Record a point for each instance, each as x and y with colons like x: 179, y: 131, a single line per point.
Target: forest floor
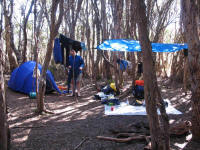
x: 73, y: 122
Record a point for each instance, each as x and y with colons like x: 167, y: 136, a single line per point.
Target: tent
x: 134, y: 46
x: 22, y: 79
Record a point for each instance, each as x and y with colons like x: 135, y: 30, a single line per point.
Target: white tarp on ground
x: 126, y: 109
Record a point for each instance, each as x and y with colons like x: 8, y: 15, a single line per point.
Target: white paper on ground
x: 126, y: 109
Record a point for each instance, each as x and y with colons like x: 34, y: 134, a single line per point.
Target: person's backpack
x: 138, y: 91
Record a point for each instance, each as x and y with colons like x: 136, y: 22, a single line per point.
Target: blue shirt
x: 75, y: 63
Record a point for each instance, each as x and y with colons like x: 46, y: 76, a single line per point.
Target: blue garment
x: 75, y: 63
x: 123, y: 65
x: 57, y: 51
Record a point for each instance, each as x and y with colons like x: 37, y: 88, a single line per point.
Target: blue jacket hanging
x: 57, y: 51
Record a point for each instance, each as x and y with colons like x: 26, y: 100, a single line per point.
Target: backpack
x: 138, y: 91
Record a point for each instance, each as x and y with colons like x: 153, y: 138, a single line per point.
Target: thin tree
x: 190, y: 9
x: 3, y: 116
x: 104, y: 37
x: 159, y: 136
x: 74, y: 16
x: 24, y: 58
x: 98, y: 31
x: 54, y: 26
x: 10, y: 46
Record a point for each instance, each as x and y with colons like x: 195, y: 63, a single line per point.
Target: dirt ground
x: 73, y: 122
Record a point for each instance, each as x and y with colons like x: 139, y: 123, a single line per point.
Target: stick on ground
x: 84, y: 140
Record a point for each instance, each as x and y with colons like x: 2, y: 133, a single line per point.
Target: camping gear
x: 99, y: 95
x: 138, y: 102
x: 124, y: 64
x: 75, y: 45
x: 22, y: 79
x: 32, y: 95
x: 138, y: 91
x: 124, y: 109
x: 134, y: 46
x: 112, y: 85
x: 185, y: 51
x: 107, y: 90
x: 139, y: 82
x: 110, y: 101
x: 62, y: 87
x: 140, y: 68
x: 63, y: 43
x: 110, y: 89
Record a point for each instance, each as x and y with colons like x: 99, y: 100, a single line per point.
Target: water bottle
x: 112, y: 108
x: 127, y: 102
x: 32, y: 95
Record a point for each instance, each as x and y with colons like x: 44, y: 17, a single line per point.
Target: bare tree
x: 24, y: 58
x: 10, y: 47
x: 105, y: 36
x: 117, y: 11
x: 190, y: 9
x: 3, y: 116
x: 53, y: 32
x: 97, y: 24
x: 4, y: 130
x: 74, y: 16
x: 159, y: 136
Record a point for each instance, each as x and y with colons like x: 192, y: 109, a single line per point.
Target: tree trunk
x: 106, y: 65
x: 10, y: 47
x: 158, y: 140
x: 98, y: 31
x: 190, y: 9
x: 37, y: 28
x: 53, y: 32
x: 3, y: 117
x: 74, y: 16
x: 117, y: 11
x: 24, y: 58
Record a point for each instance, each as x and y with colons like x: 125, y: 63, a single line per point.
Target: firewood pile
x: 140, y: 132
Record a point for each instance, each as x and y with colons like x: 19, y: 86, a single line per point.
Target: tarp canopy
x: 22, y: 79
x: 134, y: 46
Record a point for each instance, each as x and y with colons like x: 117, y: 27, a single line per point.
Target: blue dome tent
x: 22, y: 79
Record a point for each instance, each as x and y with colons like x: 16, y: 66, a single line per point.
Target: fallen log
x: 180, y: 128
x: 123, y: 140
x: 174, y: 130
x: 123, y: 135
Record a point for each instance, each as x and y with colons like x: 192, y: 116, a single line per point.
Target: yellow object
x: 112, y: 85
x: 139, y: 102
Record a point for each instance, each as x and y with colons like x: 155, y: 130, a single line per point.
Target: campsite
x: 99, y: 75
x: 72, y: 123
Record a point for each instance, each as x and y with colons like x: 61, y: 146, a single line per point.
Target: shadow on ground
x: 73, y: 121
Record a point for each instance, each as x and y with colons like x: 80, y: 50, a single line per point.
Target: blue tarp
x: 22, y: 79
x: 134, y: 46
